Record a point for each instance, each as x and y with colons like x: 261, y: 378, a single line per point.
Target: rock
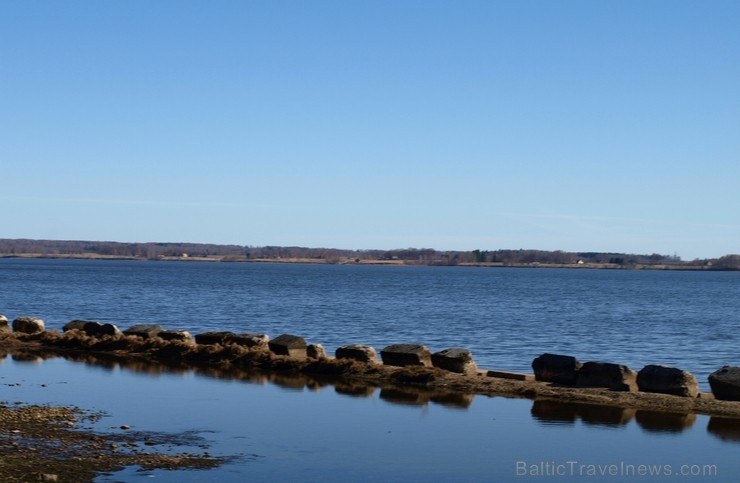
x: 605, y: 374
x: 289, y: 345
x: 316, y: 351
x: 96, y: 329
x: 211, y: 338
x: 725, y: 383
x: 145, y: 331
x: 556, y: 368
x: 178, y: 335
x: 667, y: 380
x: 250, y: 340
x: 4, y: 327
x: 455, y: 360
x: 75, y: 325
x: 357, y: 352
x: 28, y: 325
x: 406, y: 355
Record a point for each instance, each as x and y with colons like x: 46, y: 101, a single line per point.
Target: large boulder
x: 556, y: 368
x: 289, y: 345
x: 28, y: 325
x: 4, y: 327
x: 616, y: 377
x: 145, y: 331
x: 455, y: 360
x: 357, y: 352
x: 96, y: 329
x: 667, y: 380
x: 406, y: 355
x: 725, y: 383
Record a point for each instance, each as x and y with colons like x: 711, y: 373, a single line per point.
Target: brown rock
x: 289, y: 345
x: 605, y: 374
x: 28, y: 325
x: 179, y: 335
x: 725, y: 383
x: 211, y: 338
x: 357, y: 352
x: 406, y: 355
x: 315, y: 351
x: 667, y: 380
x: 145, y: 331
x: 455, y: 360
x: 556, y: 368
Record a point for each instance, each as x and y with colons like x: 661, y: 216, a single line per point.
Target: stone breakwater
x: 555, y: 376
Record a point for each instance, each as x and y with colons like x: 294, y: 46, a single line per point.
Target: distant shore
x: 356, y: 261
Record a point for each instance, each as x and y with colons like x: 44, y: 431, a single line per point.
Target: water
x: 506, y: 317
x: 301, y: 429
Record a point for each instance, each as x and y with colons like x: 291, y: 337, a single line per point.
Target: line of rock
x: 562, y: 370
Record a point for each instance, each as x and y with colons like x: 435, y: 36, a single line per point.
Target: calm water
x: 507, y: 317
x: 295, y: 429
x: 289, y: 429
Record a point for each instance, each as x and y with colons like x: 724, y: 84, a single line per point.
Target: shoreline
x: 368, y: 262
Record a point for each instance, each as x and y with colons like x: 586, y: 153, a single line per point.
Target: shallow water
x: 294, y: 428
x: 506, y: 317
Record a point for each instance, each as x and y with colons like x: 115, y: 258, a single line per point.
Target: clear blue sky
x: 573, y: 125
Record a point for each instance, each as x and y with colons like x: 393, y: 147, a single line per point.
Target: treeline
x: 426, y: 256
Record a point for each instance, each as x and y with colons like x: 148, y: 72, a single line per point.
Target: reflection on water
x: 294, y: 426
x: 725, y: 429
x: 554, y: 412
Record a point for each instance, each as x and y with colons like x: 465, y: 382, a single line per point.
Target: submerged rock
x: 667, y: 380
x: 455, y: 360
x: 406, y: 355
x: 725, y: 383
x: 556, y: 368
x: 616, y: 377
x: 28, y: 325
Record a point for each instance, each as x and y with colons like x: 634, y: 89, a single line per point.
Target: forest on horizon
x: 424, y: 256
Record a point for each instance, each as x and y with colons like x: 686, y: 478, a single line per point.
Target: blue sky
x: 572, y: 125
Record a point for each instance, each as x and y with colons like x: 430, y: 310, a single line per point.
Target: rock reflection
x: 421, y: 397
x: 27, y: 358
x: 661, y: 422
x: 554, y: 412
x: 726, y: 429
x: 605, y: 415
x: 354, y: 390
x: 549, y: 412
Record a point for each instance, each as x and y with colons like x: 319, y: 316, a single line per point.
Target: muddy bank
x: 349, y: 373
x: 45, y: 443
